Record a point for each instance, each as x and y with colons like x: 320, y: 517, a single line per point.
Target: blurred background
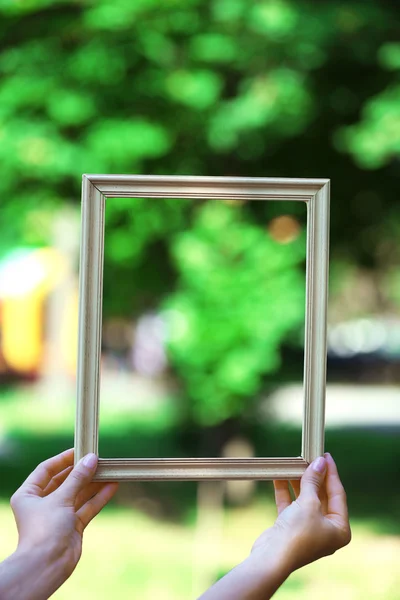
x: 203, y: 301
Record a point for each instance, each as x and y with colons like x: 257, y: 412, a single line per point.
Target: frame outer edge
x: 192, y: 187
x: 316, y: 195
x: 316, y: 325
x: 90, y: 320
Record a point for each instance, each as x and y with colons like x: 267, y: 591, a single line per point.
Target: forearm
x: 256, y: 578
x: 33, y: 575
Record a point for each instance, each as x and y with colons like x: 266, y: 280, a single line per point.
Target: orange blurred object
x: 284, y: 229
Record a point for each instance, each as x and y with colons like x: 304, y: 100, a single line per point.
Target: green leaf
x: 196, y: 89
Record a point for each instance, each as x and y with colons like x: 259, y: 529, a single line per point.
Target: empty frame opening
x: 203, y: 328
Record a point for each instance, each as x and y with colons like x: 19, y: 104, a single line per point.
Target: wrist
x: 46, y: 556
x: 58, y: 553
x: 270, y: 565
x: 274, y: 549
x: 33, y: 573
x: 257, y: 577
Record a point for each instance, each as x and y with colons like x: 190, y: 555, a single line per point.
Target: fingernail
x: 327, y: 455
x: 89, y: 461
x: 319, y: 465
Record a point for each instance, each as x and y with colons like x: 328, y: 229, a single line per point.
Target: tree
x: 239, y: 294
x: 224, y: 87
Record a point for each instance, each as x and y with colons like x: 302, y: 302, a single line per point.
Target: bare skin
x: 55, y: 504
x: 314, y: 525
x: 52, y: 508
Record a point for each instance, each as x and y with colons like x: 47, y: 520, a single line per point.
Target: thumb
x: 313, y: 477
x: 80, y: 476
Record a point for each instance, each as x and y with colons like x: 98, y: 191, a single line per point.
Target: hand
x: 54, y: 506
x: 316, y: 524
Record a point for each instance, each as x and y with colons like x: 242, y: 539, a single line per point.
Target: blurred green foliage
x: 223, y: 87
x: 375, y: 140
x: 205, y: 87
x: 238, y: 293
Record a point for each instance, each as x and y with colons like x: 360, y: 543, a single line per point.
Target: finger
x: 295, y: 483
x: 323, y: 498
x: 282, y: 495
x: 337, y: 501
x: 80, y: 476
x: 95, y: 504
x: 44, y: 473
x: 313, y: 478
x: 86, y: 494
x: 57, y: 481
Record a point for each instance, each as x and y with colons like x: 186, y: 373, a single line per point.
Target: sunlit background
x: 202, y: 350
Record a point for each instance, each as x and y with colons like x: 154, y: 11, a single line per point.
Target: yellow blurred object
x: 69, y: 334
x: 22, y: 331
x: 54, y: 268
x: 27, y: 277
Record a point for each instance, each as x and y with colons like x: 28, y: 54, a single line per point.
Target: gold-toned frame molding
x: 95, y: 190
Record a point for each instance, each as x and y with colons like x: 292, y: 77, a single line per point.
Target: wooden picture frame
x: 95, y: 190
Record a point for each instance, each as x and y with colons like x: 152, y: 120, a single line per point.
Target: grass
x: 128, y: 554
x: 26, y: 411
